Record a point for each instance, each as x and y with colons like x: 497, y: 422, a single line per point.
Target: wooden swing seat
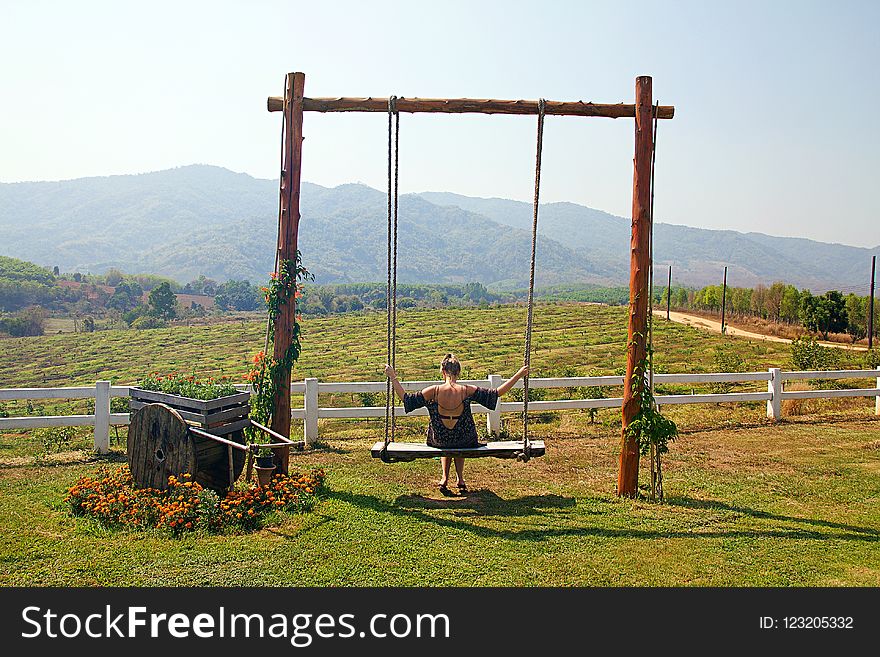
x: 502, y: 449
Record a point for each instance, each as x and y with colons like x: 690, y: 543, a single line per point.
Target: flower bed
x: 188, y: 386
x: 113, y: 500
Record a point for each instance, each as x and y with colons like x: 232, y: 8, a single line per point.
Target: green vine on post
x: 650, y: 428
x: 266, y: 369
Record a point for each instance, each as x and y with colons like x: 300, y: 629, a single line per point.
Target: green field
x: 748, y: 503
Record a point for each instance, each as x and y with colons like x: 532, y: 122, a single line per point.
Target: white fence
x: 311, y: 411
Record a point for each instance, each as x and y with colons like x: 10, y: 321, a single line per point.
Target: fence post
x: 102, y: 417
x: 774, y: 387
x: 310, y: 405
x: 493, y: 417
x: 877, y: 398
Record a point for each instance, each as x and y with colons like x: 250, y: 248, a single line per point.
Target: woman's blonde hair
x: 450, y: 365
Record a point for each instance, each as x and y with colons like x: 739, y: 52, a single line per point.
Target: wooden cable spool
x: 160, y: 444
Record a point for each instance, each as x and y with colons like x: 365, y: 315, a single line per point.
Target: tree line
x: 830, y: 312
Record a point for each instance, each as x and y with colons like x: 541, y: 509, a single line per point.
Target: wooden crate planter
x: 220, y: 416
x: 160, y: 442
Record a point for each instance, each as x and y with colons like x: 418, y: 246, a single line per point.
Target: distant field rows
x: 584, y: 338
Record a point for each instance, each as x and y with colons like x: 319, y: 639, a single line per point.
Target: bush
x: 55, y: 439
x: 807, y: 354
x: 368, y: 399
x: 28, y: 322
x: 727, y: 359
x: 148, y: 322
x: 535, y: 394
x: 871, y: 359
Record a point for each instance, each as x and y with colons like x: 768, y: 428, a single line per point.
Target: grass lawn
x: 792, y: 504
x: 748, y: 503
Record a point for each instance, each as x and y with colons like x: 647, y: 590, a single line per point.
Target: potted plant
x: 265, y: 466
x: 265, y: 458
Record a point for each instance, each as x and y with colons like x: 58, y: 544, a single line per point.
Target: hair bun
x: 449, y: 356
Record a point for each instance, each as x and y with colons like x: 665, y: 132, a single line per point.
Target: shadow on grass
x: 484, y: 502
x: 714, y: 505
x: 320, y: 447
x: 57, y: 460
x: 547, y: 511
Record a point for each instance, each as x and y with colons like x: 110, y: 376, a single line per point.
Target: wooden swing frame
x: 294, y: 104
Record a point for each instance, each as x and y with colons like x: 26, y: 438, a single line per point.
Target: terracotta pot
x: 264, y: 475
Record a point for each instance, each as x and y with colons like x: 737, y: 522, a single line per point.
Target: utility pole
x: 668, y: 291
x: 723, y: 299
x: 871, y: 305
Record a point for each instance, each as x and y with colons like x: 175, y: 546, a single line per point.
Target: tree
x: 202, y: 285
x: 680, y: 298
x: 238, y: 295
x: 126, y: 296
x: 163, y: 302
x: 788, y: 309
x: 113, y: 277
x: 759, y: 295
x: 832, y: 312
x: 773, y: 301
x: 807, y: 310
x: 27, y: 322
x: 856, y: 316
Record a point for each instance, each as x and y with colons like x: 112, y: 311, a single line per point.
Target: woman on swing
x: 449, y: 406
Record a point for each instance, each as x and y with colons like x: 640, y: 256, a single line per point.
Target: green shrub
x: 535, y: 394
x: 727, y: 359
x: 807, y: 354
x: 148, y: 322
x: 55, y: 439
x: 371, y: 398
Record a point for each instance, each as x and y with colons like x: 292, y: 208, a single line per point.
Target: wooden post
x: 628, y: 475
x: 723, y: 299
x: 287, y: 246
x: 668, y: 292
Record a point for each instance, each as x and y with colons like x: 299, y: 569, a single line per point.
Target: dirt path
x: 712, y: 325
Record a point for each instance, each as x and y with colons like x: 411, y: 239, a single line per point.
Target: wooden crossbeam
x: 469, y: 106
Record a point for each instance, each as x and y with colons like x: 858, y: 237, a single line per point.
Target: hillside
x: 697, y: 256
x: 207, y: 220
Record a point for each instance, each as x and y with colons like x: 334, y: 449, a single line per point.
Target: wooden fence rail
x: 311, y: 389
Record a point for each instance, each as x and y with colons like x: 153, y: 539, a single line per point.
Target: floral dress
x: 464, y: 432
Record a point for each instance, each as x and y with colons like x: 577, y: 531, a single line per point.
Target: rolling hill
x: 207, y: 220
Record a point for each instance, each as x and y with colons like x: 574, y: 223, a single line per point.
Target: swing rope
x: 528, y: 346
x: 391, y: 288
x: 281, y: 177
x: 656, y: 470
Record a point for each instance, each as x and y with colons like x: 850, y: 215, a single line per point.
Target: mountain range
x: 207, y: 220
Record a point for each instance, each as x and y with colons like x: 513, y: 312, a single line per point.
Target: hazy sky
x: 774, y: 129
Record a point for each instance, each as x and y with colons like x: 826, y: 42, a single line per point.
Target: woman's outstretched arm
x: 507, y: 385
x: 391, y: 374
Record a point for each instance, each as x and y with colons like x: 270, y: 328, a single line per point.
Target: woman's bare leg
x: 445, y: 462
x: 459, y: 469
